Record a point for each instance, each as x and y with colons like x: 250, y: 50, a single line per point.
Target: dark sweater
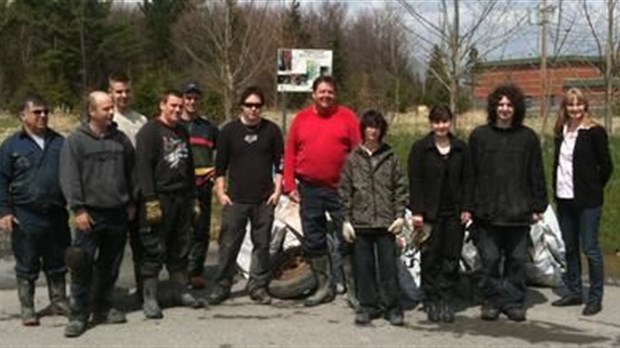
x: 592, y: 166
x: 96, y: 172
x: 427, y: 177
x: 164, y: 161
x: 249, y: 156
x: 509, y: 178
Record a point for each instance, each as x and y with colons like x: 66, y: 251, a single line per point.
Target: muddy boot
x: 77, y: 324
x: 59, y: 304
x: 349, y: 275
x: 150, y: 306
x: 25, y: 291
x: 324, y: 292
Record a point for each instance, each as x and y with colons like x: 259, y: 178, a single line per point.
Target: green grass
x: 609, y: 237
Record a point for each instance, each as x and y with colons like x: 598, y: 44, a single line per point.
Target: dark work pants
x: 136, y: 246
x: 440, y: 258
x: 503, y: 252
x: 167, y: 242
x: 234, y: 221
x: 104, y: 246
x: 579, y: 226
x: 201, y: 232
x: 372, y: 249
x: 39, y: 243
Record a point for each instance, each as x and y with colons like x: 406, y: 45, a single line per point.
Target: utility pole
x: 543, y: 11
x: 608, y: 66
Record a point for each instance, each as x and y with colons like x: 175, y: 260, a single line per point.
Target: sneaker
x: 592, y: 308
x: 260, y: 296
x: 489, y: 312
x: 219, y: 294
x: 515, y: 313
x: 75, y: 327
x: 362, y: 318
x: 565, y: 301
x: 197, y: 282
x: 433, y: 311
x: 396, y: 317
x: 112, y: 316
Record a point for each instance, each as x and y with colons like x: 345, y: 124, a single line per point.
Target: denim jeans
x: 579, y: 227
x: 503, y: 252
x: 315, y: 202
x: 104, y: 246
x: 234, y: 221
x: 39, y: 243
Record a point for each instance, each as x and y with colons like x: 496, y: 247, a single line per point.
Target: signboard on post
x: 298, y: 68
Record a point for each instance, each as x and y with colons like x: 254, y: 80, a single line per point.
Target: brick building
x: 562, y: 73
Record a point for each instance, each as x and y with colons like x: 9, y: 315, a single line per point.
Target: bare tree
x: 607, y: 43
x: 488, y: 25
x: 231, y: 42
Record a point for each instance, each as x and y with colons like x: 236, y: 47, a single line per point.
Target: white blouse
x: 564, y: 183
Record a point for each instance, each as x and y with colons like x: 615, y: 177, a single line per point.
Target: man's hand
x: 274, y: 198
x: 465, y: 217
x: 348, y: 232
x: 536, y: 217
x: 397, y: 226
x: 83, y: 221
x: 7, y: 221
x: 417, y: 221
x: 294, y: 196
x: 224, y: 199
x: 153, y: 211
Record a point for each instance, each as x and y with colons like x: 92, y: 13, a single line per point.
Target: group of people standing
x: 123, y: 175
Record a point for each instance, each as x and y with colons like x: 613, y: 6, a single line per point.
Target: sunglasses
x: 41, y: 112
x: 253, y: 105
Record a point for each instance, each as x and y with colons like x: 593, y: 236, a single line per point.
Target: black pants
x: 503, y: 252
x: 234, y: 221
x: 201, y: 232
x: 136, y: 246
x: 167, y: 242
x: 440, y: 258
x: 371, y: 249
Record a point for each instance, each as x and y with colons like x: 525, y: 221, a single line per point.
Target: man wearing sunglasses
x: 202, y: 138
x: 32, y: 208
x: 249, y: 152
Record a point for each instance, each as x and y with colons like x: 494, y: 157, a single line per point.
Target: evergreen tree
x: 435, y: 88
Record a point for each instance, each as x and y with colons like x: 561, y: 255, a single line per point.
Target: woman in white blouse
x: 582, y: 167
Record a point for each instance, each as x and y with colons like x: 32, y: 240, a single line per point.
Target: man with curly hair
x: 509, y: 195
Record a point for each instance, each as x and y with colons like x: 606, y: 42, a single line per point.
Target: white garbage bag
x: 546, y: 252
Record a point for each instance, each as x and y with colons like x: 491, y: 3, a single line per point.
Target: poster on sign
x: 297, y: 68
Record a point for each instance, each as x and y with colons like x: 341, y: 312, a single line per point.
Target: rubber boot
x: 324, y: 292
x: 150, y: 306
x: 182, y: 296
x: 25, y: 291
x: 56, y: 286
x: 349, y: 277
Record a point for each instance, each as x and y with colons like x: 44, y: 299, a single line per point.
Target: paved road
x: 239, y: 322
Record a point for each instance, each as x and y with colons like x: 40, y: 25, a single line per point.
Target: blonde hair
x: 563, y: 117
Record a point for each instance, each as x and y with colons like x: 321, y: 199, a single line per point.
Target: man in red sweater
x: 318, y: 142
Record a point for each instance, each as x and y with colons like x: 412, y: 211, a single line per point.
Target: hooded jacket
x: 373, y: 188
x: 96, y: 171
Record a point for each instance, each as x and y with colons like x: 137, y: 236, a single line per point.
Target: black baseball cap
x: 191, y: 88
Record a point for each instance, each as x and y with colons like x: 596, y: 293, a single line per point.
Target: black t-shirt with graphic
x: 163, y: 159
x: 250, y: 156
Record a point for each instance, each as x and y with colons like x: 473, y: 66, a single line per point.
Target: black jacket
x: 592, y: 166
x: 426, y: 172
x: 509, y: 180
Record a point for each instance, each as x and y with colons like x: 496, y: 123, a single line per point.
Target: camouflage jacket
x: 373, y: 188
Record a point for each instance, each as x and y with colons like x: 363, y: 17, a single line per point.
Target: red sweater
x: 317, y: 146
